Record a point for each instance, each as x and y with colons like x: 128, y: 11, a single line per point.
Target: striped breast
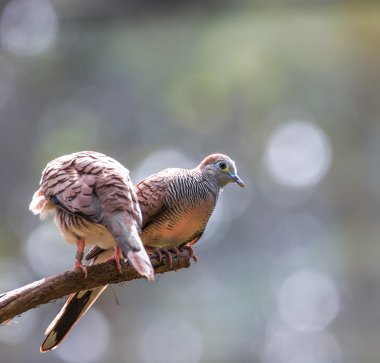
x: 189, y: 203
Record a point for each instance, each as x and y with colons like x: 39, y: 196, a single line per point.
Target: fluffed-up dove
x: 94, y: 203
x: 176, y: 205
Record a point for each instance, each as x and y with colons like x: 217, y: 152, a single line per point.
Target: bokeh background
x: 289, y: 267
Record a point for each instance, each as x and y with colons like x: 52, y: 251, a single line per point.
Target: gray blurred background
x: 288, y: 268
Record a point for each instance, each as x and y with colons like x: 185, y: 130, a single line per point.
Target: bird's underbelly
x: 73, y: 228
x: 174, y: 231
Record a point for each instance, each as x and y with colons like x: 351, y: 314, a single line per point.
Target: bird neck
x: 209, y: 181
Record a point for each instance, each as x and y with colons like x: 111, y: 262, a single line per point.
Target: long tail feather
x: 73, y: 310
x: 75, y: 307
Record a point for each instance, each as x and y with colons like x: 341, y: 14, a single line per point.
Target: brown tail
x: 75, y: 307
x: 73, y: 310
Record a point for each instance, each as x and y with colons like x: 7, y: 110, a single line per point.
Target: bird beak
x: 237, y: 180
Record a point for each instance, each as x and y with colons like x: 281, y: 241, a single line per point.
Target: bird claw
x: 191, y: 252
x: 116, y: 258
x: 175, y: 250
x: 80, y: 266
x: 168, y: 252
x: 160, y: 251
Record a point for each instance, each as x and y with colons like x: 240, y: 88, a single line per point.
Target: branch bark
x: 40, y: 292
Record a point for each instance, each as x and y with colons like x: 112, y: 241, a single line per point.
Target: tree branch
x: 40, y: 292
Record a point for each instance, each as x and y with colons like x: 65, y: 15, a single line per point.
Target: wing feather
x: 151, y: 194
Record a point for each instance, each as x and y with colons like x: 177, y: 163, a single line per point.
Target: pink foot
x: 168, y: 253
x: 160, y: 251
x: 79, y: 256
x: 116, y: 258
x: 80, y: 266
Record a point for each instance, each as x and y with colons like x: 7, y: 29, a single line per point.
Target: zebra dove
x: 176, y: 205
x: 94, y: 203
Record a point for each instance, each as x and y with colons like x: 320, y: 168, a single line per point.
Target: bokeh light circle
x: 47, y: 251
x: 308, y: 301
x: 28, y: 27
x: 298, y: 154
x: 284, y: 346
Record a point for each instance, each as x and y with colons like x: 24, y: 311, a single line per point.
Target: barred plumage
x: 188, y: 198
x: 176, y: 205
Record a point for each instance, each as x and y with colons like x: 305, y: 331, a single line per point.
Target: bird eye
x: 222, y: 165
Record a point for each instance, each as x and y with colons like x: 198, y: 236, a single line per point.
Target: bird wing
x: 91, y: 185
x: 152, y: 193
x: 98, y: 188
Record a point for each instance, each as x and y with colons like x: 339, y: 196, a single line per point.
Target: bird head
x: 220, y: 168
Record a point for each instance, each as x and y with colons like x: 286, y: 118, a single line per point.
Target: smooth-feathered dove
x: 94, y: 203
x: 176, y: 205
